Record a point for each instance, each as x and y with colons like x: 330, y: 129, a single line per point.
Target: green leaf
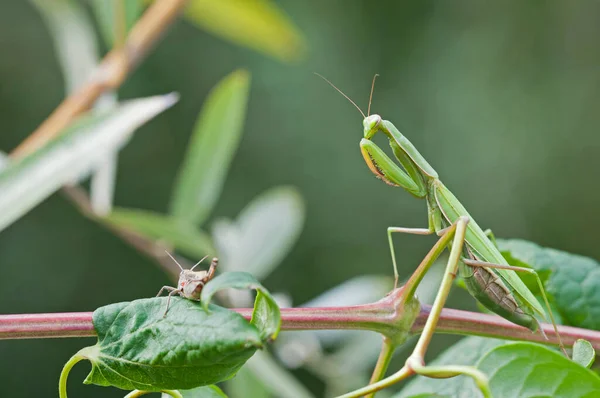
x: 73, y: 155
x: 583, y: 353
x: 427, y: 395
x: 139, y: 349
x: 257, y: 24
x: 74, y: 39
x: 466, y: 352
x: 246, y: 384
x: 186, y: 238
x: 204, y: 392
x: 572, y: 281
x: 263, y: 233
x: 107, y: 17
x: 214, y: 141
x: 531, y: 370
x: 266, y: 316
x: 273, y: 377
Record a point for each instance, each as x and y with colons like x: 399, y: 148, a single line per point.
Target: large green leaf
x: 527, y: 370
x: 572, y: 281
x: 186, y: 238
x: 263, y: 233
x: 257, y: 24
x: 214, y: 141
x: 73, y: 155
x: 266, y: 315
x: 140, y: 349
x: 466, y: 352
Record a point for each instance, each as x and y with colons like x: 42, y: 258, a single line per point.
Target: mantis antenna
x: 371, y: 95
x: 341, y: 92
x: 179, y: 265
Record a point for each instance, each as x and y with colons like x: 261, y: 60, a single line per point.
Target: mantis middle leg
x: 415, y: 363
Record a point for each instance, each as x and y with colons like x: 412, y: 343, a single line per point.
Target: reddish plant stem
x: 473, y: 323
x: 363, y: 317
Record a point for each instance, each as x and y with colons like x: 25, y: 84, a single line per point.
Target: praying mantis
x: 473, y: 253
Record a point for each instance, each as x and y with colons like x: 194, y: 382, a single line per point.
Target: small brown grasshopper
x: 190, y: 282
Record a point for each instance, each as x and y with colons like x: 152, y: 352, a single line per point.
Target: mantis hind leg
x: 415, y: 363
x: 476, y: 263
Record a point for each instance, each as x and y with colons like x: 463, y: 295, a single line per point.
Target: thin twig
x: 109, y: 75
x: 152, y: 249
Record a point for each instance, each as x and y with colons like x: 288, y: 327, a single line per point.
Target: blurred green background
x: 501, y: 98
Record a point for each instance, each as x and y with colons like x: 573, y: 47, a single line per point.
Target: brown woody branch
x: 110, y: 74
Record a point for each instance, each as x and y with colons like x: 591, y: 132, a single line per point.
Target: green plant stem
x: 385, y: 355
x: 62, y: 382
x: 380, y: 385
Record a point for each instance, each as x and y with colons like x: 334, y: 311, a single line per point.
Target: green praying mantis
x: 473, y: 253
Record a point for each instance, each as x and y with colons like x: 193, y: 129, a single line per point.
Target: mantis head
x: 371, y: 125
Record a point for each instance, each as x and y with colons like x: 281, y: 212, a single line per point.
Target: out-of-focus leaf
x: 427, y: 395
x: 359, y: 290
x: 214, y: 141
x: 531, y: 370
x: 263, y: 233
x: 72, y: 155
x: 341, y: 371
x: 203, y: 392
x: 3, y: 161
x: 102, y: 185
x: 186, y: 238
x: 266, y: 315
x: 246, y: 384
x: 104, y: 178
x: 572, y: 281
x: 466, y: 352
x: 257, y: 24
x: 583, y: 353
x: 74, y: 39
x: 139, y: 348
x: 108, y: 17
x: 273, y: 378
x: 77, y: 53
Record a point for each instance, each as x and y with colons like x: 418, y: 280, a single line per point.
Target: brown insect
x: 190, y: 282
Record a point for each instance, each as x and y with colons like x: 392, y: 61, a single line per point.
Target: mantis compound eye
x: 371, y: 125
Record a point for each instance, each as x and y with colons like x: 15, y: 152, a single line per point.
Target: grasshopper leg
x: 172, y: 291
